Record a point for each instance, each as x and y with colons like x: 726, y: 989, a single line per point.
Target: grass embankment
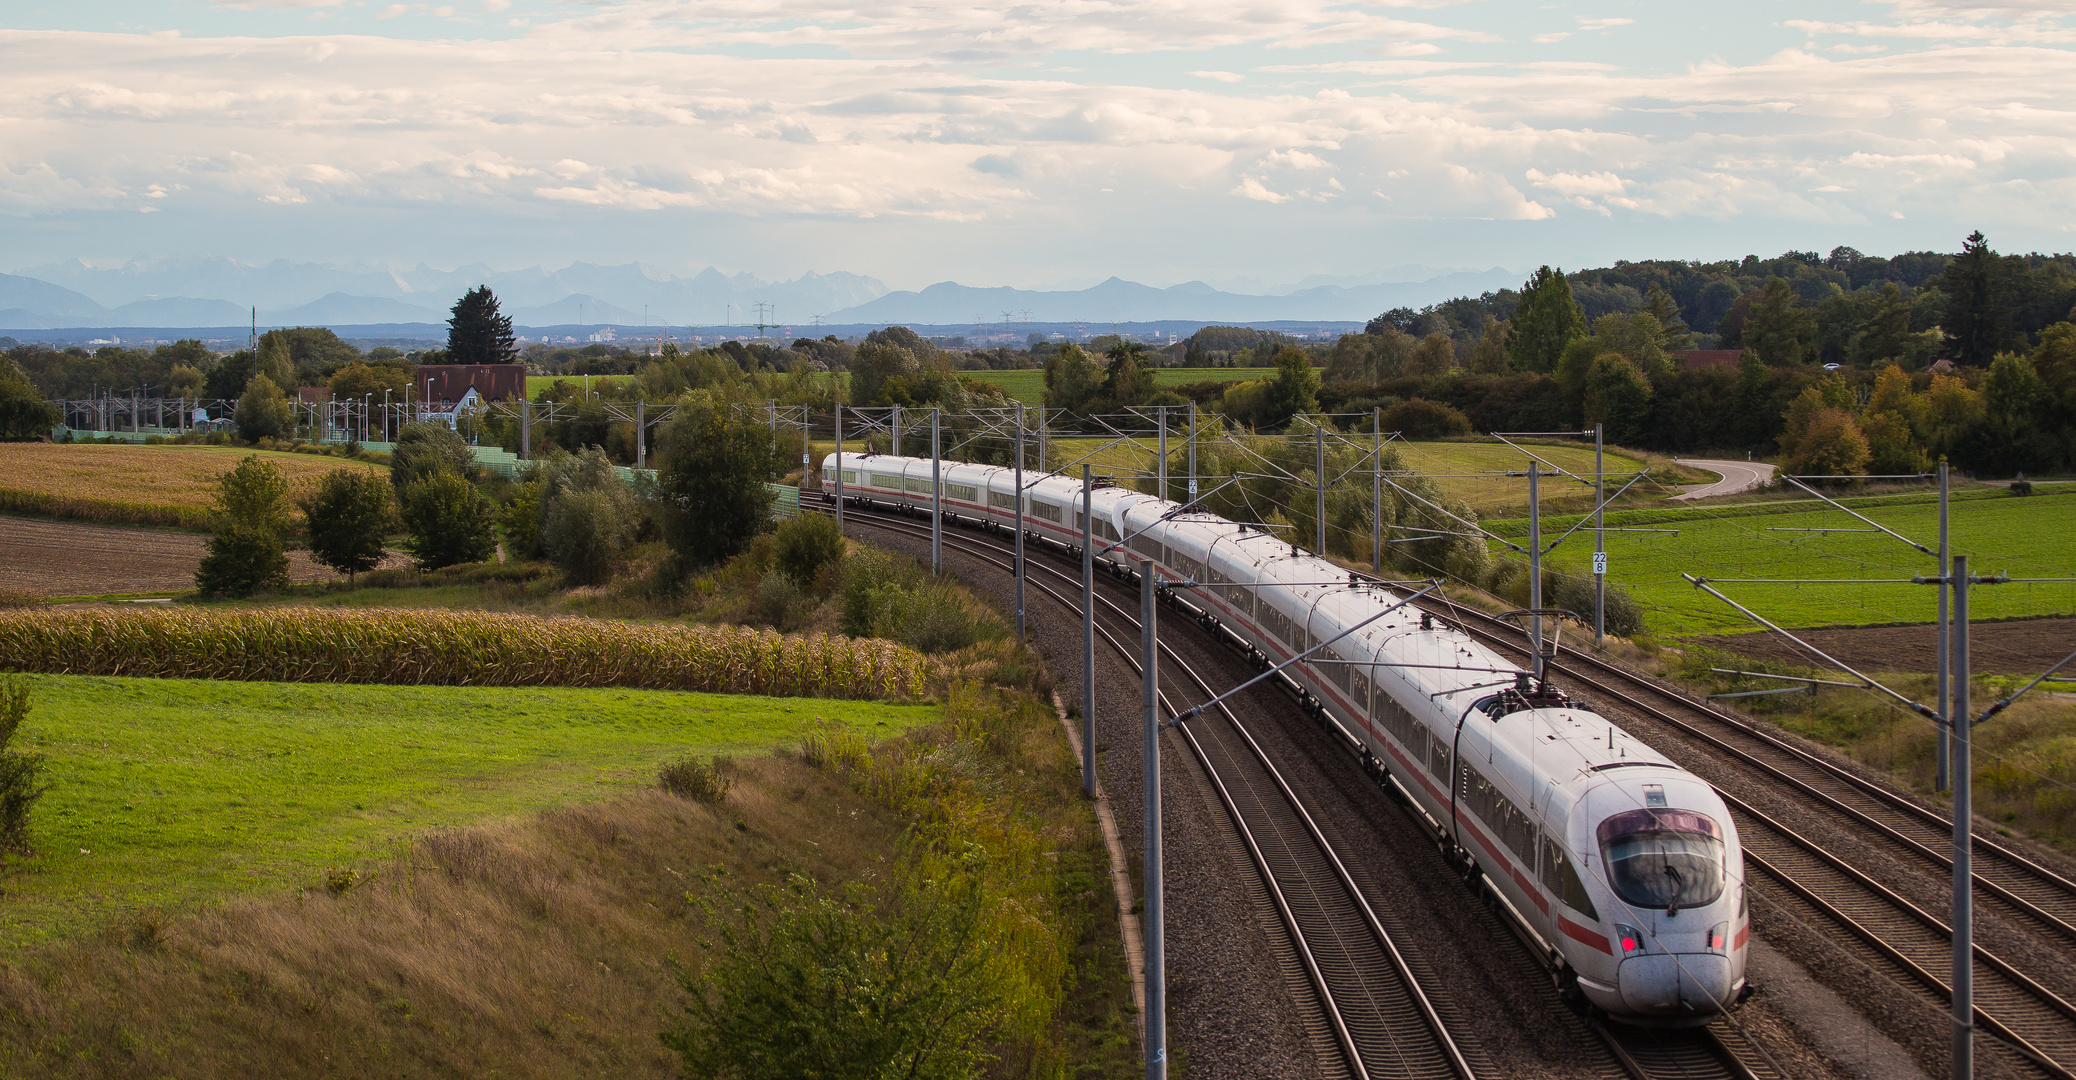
x: 1028, y: 385
x: 130, y: 484
x: 2025, y: 757
x: 2027, y: 536
x: 547, y: 944
x: 168, y: 792
x: 450, y: 649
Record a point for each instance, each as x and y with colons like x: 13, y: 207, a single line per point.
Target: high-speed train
x: 1624, y: 868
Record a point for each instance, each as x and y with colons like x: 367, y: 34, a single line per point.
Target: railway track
x: 1886, y: 931
x: 1297, y: 858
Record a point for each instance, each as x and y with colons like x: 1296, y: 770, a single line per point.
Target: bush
x: 249, y: 551
x: 350, y: 515
x: 449, y: 521
x: 885, y: 596
x: 689, y: 778
x: 19, y: 772
x: 262, y: 411
x: 423, y: 450
x: 806, y: 544
x: 521, y: 521
x: 779, y: 602
x: 23, y: 412
x: 588, y: 517
x: 1420, y: 418
x: 2021, y: 487
x: 710, y: 484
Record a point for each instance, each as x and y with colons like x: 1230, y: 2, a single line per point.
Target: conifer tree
x: 477, y: 334
x: 1545, y: 321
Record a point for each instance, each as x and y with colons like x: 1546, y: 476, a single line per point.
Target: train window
x: 886, y: 480
x: 919, y: 484
x: 850, y: 476
x: 1046, y: 510
x: 1336, y: 673
x: 1437, y: 757
x: 1491, y: 805
x: 962, y: 492
x: 1663, y: 858
x: 1359, y: 685
x: 1562, y: 879
x: 1002, y: 500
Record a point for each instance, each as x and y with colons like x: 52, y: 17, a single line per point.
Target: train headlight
x: 1629, y: 939
x: 1719, y: 937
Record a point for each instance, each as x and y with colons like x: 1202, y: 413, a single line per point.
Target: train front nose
x: 1676, y: 984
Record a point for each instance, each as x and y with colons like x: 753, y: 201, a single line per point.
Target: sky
x: 1042, y: 143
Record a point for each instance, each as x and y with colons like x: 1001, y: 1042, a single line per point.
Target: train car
x: 1622, y: 867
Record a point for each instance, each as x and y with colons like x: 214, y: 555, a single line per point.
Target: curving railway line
x: 1369, y: 990
x: 2022, y: 999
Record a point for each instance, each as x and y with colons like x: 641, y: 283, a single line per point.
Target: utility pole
x: 1156, y: 959
x: 1963, y: 838
x: 1319, y: 489
x: 526, y: 428
x: 1042, y: 467
x: 1535, y: 569
x: 641, y: 439
x: 1020, y: 521
x: 936, y: 500
x: 1377, y: 490
x: 839, y: 467
x: 1088, y: 637
x: 897, y: 430
x: 1940, y: 743
x: 1599, y: 540
x: 1162, y: 413
x: 1192, y: 452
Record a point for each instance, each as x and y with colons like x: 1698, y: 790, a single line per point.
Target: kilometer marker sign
x: 1600, y: 564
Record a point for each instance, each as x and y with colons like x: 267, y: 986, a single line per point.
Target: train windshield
x: 1669, y: 859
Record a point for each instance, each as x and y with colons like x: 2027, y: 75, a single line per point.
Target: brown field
x: 2010, y: 647
x: 70, y: 558
x: 136, y: 485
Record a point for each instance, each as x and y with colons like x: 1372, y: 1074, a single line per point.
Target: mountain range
x: 180, y: 293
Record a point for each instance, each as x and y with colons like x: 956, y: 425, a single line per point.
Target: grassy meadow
x: 166, y: 793
x: 1028, y: 385
x: 133, y: 483
x: 2024, y: 536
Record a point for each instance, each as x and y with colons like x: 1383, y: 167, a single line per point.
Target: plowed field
x: 69, y: 558
x: 2013, y: 647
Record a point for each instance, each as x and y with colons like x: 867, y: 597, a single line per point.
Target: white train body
x: 1625, y: 866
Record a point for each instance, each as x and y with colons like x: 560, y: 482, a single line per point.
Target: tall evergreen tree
x: 477, y: 334
x: 1545, y: 321
x: 1978, y: 304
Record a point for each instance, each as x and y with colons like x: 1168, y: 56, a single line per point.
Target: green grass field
x: 2026, y: 537
x: 1028, y: 386
x: 165, y: 793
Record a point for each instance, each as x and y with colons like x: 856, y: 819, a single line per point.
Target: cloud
x: 1220, y: 76
x: 1603, y: 24
x: 1250, y: 188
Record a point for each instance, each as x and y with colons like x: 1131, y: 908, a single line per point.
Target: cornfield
x: 131, y: 485
x: 441, y: 648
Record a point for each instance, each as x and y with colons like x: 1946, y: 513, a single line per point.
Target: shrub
x: 19, y: 772
x: 248, y: 551
x: 806, y: 544
x: 520, y: 521
x: 350, y: 515
x: 1420, y: 418
x: 689, y: 778
x: 588, y: 518
x: 778, y: 602
x: 2021, y: 487
x: 423, y: 450
x: 886, y: 596
x: 449, y: 521
x: 23, y: 412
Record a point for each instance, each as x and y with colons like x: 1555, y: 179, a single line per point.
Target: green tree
x: 1435, y: 355
x: 23, y: 412
x: 1673, y: 335
x: 361, y: 379
x: 1546, y: 319
x: 262, y: 412
x: 1978, y: 304
x: 425, y: 449
x: 477, y: 334
x: 1618, y: 396
x: 1490, y: 356
x: 2011, y: 390
x: 1831, y: 445
x: 449, y: 521
x: 1072, y: 379
x: 248, y: 550
x: 883, y: 373
x: 1419, y: 418
x: 1779, y: 328
x: 20, y: 772
x: 588, y: 517
x: 183, y: 381
x: 1751, y: 402
x: 1885, y: 336
x: 303, y: 355
x: 520, y: 521
x: 1127, y: 380
x: 350, y: 514
x: 710, y: 483
x: 1293, y: 390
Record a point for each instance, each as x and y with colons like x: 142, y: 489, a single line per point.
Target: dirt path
x: 2012, y: 647
x: 69, y: 558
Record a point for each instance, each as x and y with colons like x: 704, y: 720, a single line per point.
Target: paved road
x: 1736, y: 476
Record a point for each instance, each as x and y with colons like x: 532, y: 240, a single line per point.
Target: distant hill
x: 1117, y: 300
